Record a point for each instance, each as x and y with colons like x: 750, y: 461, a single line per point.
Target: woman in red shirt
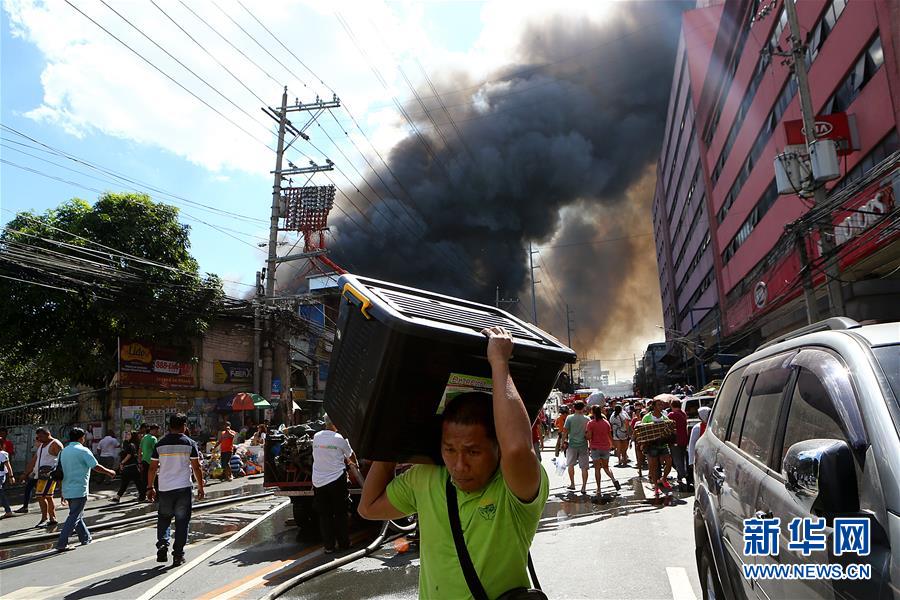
x: 599, y: 436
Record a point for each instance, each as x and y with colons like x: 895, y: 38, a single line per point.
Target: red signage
x: 839, y: 127
x: 148, y: 365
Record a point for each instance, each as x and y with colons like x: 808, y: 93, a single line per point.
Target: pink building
x: 743, y: 283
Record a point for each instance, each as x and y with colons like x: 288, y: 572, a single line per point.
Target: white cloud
x: 92, y: 84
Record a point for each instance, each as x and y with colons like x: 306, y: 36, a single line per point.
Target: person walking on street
x: 696, y: 431
x: 637, y: 417
x: 537, y: 437
x: 679, y: 448
x: 331, y: 454
x: 6, y: 473
x: 6, y: 444
x: 576, y: 445
x: 77, y: 462
x: 619, y: 423
x: 131, y: 472
x: 658, y: 452
x: 148, y: 443
x: 225, y: 443
x: 599, y: 436
x: 109, y: 447
x: 175, y: 459
x: 29, y: 478
x: 46, y: 461
x: 559, y: 424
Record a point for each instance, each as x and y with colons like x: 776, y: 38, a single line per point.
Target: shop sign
x: 232, y: 371
x: 839, y: 127
x: 144, y: 364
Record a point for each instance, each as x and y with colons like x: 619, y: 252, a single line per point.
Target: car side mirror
x: 822, y: 470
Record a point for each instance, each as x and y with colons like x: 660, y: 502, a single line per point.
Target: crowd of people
x: 162, y: 468
x: 591, y: 433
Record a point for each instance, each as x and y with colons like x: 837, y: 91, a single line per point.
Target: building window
x: 762, y: 140
x: 886, y: 147
x: 698, y: 256
x: 862, y: 72
x: 823, y: 28
x: 733, y: 67
x: 707, y: 281
x: 817, y: 39
x: 765, y: 202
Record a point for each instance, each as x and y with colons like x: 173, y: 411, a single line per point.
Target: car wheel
x: 709, y: 580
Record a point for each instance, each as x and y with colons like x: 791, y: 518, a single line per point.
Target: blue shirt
x: 77, y: 462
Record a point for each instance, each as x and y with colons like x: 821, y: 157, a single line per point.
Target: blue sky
x: 69, y: 85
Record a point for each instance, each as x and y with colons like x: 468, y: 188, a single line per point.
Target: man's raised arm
x: 518, y: 463
x: 374, y: 503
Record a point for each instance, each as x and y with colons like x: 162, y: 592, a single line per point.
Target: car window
x: 691, y: 407
x: 735, y: 431
x: 888, y: 358
x: 811, y: 415
x: 758, y: 431
x: 724, y: 404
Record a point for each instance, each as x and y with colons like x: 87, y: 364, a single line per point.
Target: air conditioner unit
x: 791, y: 172
x: 824, y: 160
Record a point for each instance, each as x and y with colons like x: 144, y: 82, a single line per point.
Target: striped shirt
x: 174, y: 452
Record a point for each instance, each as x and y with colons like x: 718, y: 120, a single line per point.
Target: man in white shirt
x: 109, y: 448
x: 331, y: 453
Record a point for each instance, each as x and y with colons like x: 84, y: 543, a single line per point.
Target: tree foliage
x: 120, y: 268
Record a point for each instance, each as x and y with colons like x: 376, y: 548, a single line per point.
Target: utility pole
x: 825, y: 226
x: 284, y: 126
x: 531, y: 267
x: 257, y: 335
x: 809, y: 291
x: 276, y: 203
x: 569, y: 327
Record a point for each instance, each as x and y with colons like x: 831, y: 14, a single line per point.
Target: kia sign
x: 839, y: 127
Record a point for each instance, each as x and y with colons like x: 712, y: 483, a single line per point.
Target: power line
x: 166, y: 75
x: 264, y: 49
x: 227, y: 41
x: 100, y: 168
x: 202, y: 47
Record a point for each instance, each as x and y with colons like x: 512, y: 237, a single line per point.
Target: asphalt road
x: 626, y: 548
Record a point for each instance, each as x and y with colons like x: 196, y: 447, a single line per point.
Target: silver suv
x: 808, y: 426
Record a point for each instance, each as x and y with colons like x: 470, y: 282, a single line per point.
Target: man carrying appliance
x: 497, y: 482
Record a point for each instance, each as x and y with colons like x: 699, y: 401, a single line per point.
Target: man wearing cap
x: 331, y: 453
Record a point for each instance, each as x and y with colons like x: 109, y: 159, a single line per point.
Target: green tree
x: 79, y: 277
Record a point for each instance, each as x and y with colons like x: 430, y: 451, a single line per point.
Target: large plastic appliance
x: 401, y: 352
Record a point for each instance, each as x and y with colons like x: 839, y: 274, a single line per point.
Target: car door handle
x: 760, y: 514
x: 719, y: 472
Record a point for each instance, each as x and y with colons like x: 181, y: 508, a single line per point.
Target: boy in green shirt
x: 500, y: 485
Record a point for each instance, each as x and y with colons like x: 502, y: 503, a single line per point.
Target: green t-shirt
x: 497, y: 526
x: 576, y: 424
x: 148, y: 443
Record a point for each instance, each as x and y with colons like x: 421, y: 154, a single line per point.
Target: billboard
x: 232, y: 371
x: 144, y: 364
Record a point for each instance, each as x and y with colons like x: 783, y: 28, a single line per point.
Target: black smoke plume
x: 557, y: 150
